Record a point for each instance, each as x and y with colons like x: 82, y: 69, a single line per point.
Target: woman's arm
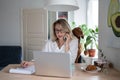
x: 73, y: 48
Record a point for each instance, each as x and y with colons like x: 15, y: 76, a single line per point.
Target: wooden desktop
x: 78, y: 74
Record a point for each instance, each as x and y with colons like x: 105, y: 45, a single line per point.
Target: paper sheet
x: 28, y: 70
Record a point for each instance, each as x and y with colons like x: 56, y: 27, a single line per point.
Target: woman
x: 62, y: 41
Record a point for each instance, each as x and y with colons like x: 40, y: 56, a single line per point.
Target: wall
x: 107, y: 40
x: 10, y: 13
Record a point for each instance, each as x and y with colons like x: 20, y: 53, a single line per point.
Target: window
x: 63, y: 15
x: 87, y: 14
x: 92, y: 13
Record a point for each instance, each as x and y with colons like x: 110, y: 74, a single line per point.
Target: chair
x: 10, y: 55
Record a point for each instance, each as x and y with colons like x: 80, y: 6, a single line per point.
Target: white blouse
x: 53, y: 47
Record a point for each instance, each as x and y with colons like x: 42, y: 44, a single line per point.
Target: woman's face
x: 59, y: 31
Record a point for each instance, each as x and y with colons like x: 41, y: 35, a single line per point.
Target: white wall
x: 106, y: 36
x: 10, y: 11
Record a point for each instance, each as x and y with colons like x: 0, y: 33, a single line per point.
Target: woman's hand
x: 25, y: 64
x: 68, y: 38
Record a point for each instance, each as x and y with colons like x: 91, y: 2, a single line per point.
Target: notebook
x: 52, y: 64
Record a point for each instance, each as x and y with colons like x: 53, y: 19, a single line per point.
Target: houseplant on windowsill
x: 90, y: 40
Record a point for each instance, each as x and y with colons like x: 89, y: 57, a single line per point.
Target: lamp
x: 61, y: 5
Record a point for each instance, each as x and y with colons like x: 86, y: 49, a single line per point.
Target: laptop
x: 52, y: 64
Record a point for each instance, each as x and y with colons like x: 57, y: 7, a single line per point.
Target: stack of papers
x: 28, y: 70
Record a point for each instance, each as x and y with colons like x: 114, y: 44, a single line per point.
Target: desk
x: 78, y: 74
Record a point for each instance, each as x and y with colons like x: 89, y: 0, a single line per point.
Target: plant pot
x: 91, y: 52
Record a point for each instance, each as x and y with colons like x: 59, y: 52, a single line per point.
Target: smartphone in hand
x: 64, y: 38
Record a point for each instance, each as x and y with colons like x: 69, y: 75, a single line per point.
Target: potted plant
x: 90, y: 40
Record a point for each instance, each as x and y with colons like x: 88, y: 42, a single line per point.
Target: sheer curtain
x: 92, y: 13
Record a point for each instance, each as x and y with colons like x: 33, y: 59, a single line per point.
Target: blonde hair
x: 64, y: 24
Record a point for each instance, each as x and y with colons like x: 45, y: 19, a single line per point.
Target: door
x: 34, y: 31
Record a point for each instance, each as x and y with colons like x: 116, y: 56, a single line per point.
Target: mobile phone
x: 64, y: 38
